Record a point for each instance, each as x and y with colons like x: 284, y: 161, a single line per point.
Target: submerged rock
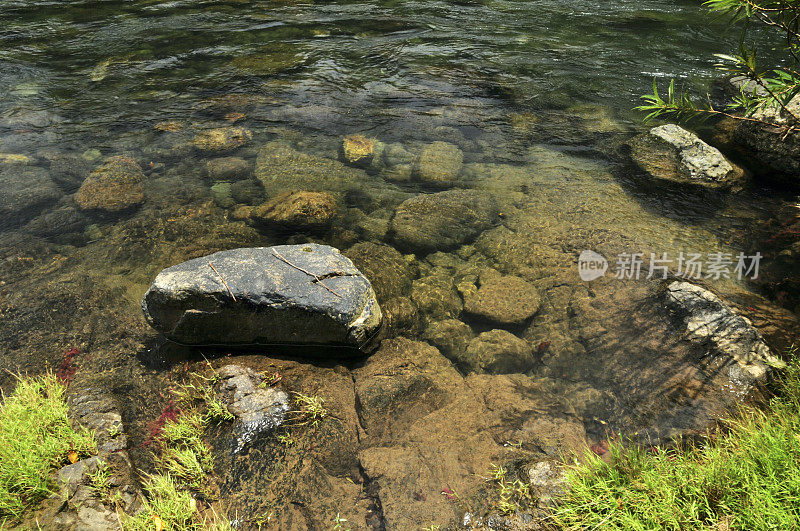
x: 390, y: 271
x: 114, y: 186
x: 298, y: 210
x: 289, y: 294
x: 450, y: 336
x: 712, y: 323
x: 357, y: 150
x: 222, y: 139
x: 441, y: 221
x: 503, y: 300
x: 24, y: 191
x: 228, y: 169
x: 258, y: 408
x: 439, y: 164
x: 671, y: 153
x: 498, y: 352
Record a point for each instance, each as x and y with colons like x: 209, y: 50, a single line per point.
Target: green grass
x: 35, y: 439
x: 745, y: 478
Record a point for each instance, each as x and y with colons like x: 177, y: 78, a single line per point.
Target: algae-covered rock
x: 222, y: 139
x: 670, y: 153
x: 221, y: 192
x: 498, y: 352
x: 247, y: 191
x: 503, y: 300
x: 436, y: 295
x: 228, y: 169
x: 441, y: 221
x: 357, y: 150
x: 390, y: 271
x: 280, y: 168
x: 439, y: 164
x: 298, y: 210
x: 450, y: 336
x: 289, y: 294
x: 114, y: 186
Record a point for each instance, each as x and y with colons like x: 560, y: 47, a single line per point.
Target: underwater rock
x: 439, y: 164
x: 221, y: 192
x: 298, y: 210
x: 289, y: 294
x: 228, y: 169
x: 498, y: 352
x: 357, y: 150
x: 436, y: 295
x: 248, y: 192
x: 222, y: 139
x: 14, y: 158
x: 712, y: 323
x: 450, y: 336
x: 58, y: 221
x: 114, y: 186
x: 401, y: 316
x: 258, y: 408
x: 280, y: 168
x: 24, y: 191
x: 443, y: 220
x: 502, y: 300
x: 68, y: 170
x: 670, y: 153
x: 390, y: 271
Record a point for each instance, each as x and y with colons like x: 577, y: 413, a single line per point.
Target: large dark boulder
x: 289, y: 294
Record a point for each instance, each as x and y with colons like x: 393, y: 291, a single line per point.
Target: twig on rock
x: 223, y: 281
x: 317, y: 280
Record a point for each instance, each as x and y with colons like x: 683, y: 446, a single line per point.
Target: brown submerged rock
x: 498, y: 352
x: 112, y: 187
x: 390, y: 272
x: 503, y: 300
x: 439, y: 164
x: 228, y: 169
x: 299, y: 210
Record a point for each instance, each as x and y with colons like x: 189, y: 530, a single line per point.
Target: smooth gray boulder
x: 671, y: 153
x: 712, y: 323
x: 306, y: 294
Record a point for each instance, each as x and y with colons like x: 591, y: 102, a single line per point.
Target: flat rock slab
x: 306, y: 294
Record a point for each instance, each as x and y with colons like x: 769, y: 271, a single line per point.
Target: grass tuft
x: 35, y: 438
x: 746, y: 478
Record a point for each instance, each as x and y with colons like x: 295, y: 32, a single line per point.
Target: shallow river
x: 536, y: 96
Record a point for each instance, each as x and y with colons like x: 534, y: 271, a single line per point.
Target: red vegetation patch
x: 67, y: 368
x: 169, y: 413
x: 600, y: 448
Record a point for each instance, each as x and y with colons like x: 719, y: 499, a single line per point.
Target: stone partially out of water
x: 439, y: 164
x: 289, y: 294
x: 711, y: 322
x: 442, y: 221
x: 114, y: 186
x: 673, y: 154
x: 258, y: 408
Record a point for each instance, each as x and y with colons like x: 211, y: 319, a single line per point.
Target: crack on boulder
x: 374, y: 518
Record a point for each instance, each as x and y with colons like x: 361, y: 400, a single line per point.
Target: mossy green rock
x: 439, y: 164
x: 265, y: 295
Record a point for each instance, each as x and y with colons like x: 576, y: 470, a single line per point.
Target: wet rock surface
x: 257, y: 407
x: 443, y: 220
x: 670, y: 153
x: 301, y: 294
x: 711, y: 323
